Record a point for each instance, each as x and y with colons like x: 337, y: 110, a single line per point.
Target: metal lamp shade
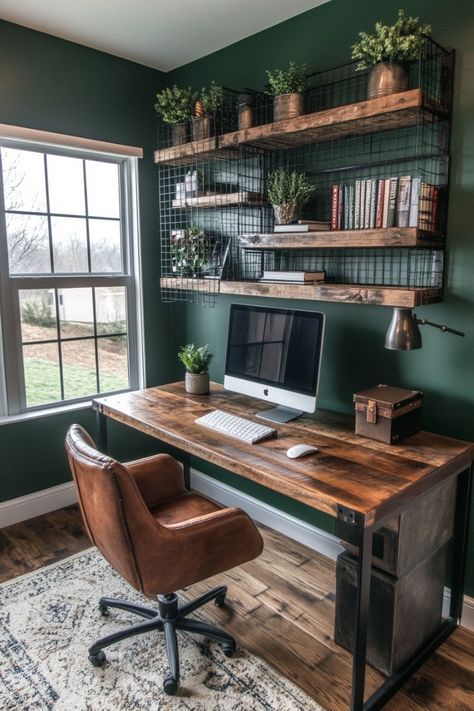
x: 403, y: 333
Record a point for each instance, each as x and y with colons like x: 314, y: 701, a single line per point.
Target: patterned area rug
x: 50, y: 617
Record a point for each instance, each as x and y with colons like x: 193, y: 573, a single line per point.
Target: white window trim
x: 9, y: 328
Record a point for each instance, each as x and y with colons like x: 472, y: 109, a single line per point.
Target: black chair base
x: 168, y: 618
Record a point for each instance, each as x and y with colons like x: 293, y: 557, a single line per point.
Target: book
x: 357, y: 205
x: 368, y: 183
x: 380, y: 203
x: 351, y: 206
x: 425, y: 208
x: 386, y: 200
x: 403, y: 201
x: 292, y: 276
x: 346, y: 208
x: 334, y: 207
x: 392, y: 202
x: 362, y: 204
x: 340, y: 213
x: 414, y: 202
x: 303, y: 227
x: 373, y: 203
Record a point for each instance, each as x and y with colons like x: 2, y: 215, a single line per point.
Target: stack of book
x: 404, y: 201
x: 292, y: 277
x: 304, y: 226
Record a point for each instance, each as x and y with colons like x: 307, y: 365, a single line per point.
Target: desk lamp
x: 403, y: 333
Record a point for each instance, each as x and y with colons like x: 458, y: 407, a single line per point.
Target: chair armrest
x: 158, y: 478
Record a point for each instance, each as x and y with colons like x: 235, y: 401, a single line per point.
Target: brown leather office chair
x: 160, y: 538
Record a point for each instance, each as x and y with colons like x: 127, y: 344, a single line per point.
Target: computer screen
x: 275, y: 354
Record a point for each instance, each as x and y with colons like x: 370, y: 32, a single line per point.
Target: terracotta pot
x: 387, y: 78
x: 179, y: 134
x: 245, y: 116
x: 197, y: 383
x: 202, y: 128
x: 287, y: 106
x: 286, y: 213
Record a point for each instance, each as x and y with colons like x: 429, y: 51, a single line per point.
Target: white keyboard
x: 234, y: 426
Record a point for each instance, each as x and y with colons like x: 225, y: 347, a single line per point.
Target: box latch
x: 372, y: 412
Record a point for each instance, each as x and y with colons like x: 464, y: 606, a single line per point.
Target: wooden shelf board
x: 386, y: 237
x: 341, y: 293
x: 243, y: 197
x: 396, y: 110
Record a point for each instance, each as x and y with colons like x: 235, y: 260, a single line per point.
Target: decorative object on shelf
x: 387, y: 414
x: 287, y: 88
x: 196, y: 360
x: 403, y: 333
x: 210, y: 101
x: 175, y: 105
x: 245, y: 104
x: 190, y: 252
x: 387, y: 53
x: 287, y: 191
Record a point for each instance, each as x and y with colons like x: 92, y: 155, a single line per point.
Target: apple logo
x: 265, y: 392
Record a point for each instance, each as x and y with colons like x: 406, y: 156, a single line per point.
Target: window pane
x: 23, y: 180
x: 69, y: 244
x: 38, y: 315
x: 113, y: 363
x: 111, y: 311
x: 42, y: 378
x: 76, y: 313
x: 103, y: 196
x: 79, y: 369
x: 106, y: 252
x: 66, y: 185
x: 28, y: 244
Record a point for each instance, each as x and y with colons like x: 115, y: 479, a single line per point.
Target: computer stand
x: 279, y: 414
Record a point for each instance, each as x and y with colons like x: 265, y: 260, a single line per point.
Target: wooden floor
x: 281, y: 608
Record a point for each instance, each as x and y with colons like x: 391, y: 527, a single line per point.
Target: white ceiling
x: 163, y: 34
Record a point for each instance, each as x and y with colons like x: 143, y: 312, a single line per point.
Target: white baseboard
x: 292, y: 527
x: 57, y: 497
x: 41, y: 502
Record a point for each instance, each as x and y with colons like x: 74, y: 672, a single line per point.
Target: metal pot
x: 387, y: 78
x: 197, y: 383
x: 179, y: 134
x: 287, y: 106
x: 202, y: 128
x: 286, y: 213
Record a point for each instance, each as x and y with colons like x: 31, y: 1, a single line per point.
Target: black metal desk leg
x: 361, y: 619
x: 187, y: 470
x: 461, y: 528
x: 101, y: 421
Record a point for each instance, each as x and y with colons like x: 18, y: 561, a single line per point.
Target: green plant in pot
x: 196, y: 360
x: 206, y: 107
x: 190, y: 252
x: 388, y: 52
x: 287, y: 87
x: 175, y: 105
x: 287, y: 192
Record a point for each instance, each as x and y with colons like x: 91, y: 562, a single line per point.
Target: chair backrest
x: 108, y: 498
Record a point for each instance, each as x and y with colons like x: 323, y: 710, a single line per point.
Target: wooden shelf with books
x: 393, y: 111
x: 343, y: 239
x: 341, y: 293
x: 241, y: 197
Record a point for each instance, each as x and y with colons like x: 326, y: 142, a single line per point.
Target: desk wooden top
x: 370, y: 477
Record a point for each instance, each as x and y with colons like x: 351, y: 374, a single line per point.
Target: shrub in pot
x: 287, y: 192
x: 190, y: 252
x: 175, y: 105
x: 196, y: 360
x: 210, y: 101
x: 287, y: 87
x: 388, y: 52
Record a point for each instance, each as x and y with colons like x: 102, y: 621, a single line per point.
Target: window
x: 68, y: 275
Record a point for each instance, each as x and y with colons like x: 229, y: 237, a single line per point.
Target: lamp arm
x: 445, y: 329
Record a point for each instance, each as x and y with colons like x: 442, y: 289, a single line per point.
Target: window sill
x: 46, y: 412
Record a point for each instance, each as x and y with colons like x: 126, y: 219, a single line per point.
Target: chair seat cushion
x: 183, y: 508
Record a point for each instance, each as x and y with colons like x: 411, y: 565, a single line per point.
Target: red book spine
x: 335, y: 207
x: 379, y: 213
x: 434, y: 206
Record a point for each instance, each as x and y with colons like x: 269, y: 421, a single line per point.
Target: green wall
x: 354, y: 356
x: 47, y: 83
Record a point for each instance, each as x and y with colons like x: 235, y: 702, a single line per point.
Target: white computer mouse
x: 301, y: 450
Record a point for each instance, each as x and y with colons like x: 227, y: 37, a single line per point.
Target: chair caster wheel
x: 170, y: 685
x: 98, y: 659
x: 228, y: 649
x: 104, y: 611
x: 220, y: 601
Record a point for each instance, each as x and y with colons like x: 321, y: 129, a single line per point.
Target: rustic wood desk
x: 362, y: 483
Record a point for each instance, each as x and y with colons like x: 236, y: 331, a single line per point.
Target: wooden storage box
x: 387, y: 414
x: 403, y: 612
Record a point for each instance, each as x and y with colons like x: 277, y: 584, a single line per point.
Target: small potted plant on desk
x: 210, y: 101
x: 388, y: 52
x: 175, y: 105
x: 196, y: 360
x: 287, y: 88
x: 287, y: 192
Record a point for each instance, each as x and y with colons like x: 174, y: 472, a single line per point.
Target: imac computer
x: 275, y: 355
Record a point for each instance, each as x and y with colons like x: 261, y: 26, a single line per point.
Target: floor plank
x: 281, y: 607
